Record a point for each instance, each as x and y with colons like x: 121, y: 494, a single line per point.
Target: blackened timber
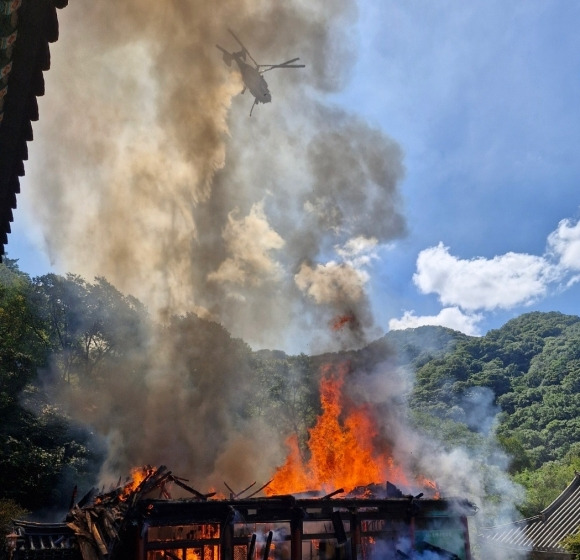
x: 191, y: 490
x: 246, y: 489
x: 227, y: 536
x: 338, y: 527
x: 355, y: 539
x: 296, y: 532
x: 252, y: 547
x: 235, y: 495
x: 268, y: 545
x: 260, y: 489
x: 232, y: 493
x: 328, y: 496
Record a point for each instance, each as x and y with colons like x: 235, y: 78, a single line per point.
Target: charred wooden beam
x: 259, y: 489
x: 236, y: 495
x: 252, y: 547
x: 328, y: 496
x: 338, y: 526
x: 191, y: 490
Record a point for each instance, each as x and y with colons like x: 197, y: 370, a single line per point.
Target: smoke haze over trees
x: 80, y: 394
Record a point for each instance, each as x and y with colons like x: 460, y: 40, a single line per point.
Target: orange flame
x: 430, y: 485
x: 342, y: 455
x: 341, y: 321
x: 138, y: 475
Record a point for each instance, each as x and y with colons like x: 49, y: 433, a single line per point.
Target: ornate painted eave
x: 26, y: 29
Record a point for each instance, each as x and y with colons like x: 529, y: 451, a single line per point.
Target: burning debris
x: 130, y: 522
x: 95, y: 524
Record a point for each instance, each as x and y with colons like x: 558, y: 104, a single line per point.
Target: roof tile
x: 543, y: 532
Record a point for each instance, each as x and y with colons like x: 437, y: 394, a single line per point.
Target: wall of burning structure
x: 308, y: 529
x: 128, y: 524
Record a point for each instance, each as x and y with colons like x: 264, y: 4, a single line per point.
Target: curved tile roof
x: 543, y: 532
x: 26, y: 29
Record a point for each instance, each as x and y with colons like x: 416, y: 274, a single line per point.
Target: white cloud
x: 451, y: 317
x: 358, y: 245
x: 564, y: 242
x: 504, y: 281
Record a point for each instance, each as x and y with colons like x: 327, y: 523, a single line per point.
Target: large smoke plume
x: 148, y: 170
x: 156, y: 177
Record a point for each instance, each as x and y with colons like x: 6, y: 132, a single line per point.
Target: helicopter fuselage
x: 252, y: 75
x: 253, y: 80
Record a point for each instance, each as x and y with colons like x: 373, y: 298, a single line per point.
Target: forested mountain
x: 63, y: 334
x: 532, y: 369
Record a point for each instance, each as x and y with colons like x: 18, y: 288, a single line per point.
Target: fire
x: 341, y: 454
x: 431, y: 485
x: 343, y: 320
x: 216, y: 494
x: 138, y: 475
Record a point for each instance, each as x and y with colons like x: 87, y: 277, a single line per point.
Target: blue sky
x: 483, y: 99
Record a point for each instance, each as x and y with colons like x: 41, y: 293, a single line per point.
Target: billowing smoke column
x: 154, y: 175
x: 148, y: 170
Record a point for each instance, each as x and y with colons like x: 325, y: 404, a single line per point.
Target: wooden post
x: 227, y: 539
x: 355, y: 536
x: 466, y: 537
x: 296, y: 537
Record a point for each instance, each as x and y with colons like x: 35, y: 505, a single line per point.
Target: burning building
x: 348, y: 515
x: 141, y: 521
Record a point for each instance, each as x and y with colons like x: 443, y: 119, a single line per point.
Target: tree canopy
x: 518, y: 384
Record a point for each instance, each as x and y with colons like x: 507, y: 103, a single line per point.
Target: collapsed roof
x: 130, y: 523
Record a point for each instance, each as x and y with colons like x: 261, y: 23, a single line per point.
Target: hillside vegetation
x: 61, y: 334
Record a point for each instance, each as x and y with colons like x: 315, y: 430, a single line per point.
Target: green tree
x: 35, y: 437
x: 89, y: 325
x: 532, y: 366
x: 286, y: 394
x: 571, y: 543
x: 545, y: 484
x: 516, y: 451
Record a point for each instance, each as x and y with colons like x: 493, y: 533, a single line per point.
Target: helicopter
x: 252, y: 75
